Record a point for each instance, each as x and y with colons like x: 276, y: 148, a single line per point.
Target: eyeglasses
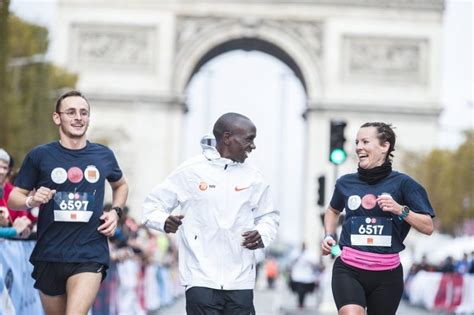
x: 72, y: 113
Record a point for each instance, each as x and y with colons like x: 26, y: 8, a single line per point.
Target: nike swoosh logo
x: 240, y: 189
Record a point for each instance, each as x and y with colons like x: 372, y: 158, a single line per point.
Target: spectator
x: 271, y: 271
x: 5, y: 188
x: 425, y: 265
x: 462, y: 266
x: 31, y: 214
x: 304, y: 273
x: 447, y: 265
x: 471, y: 266
x: 20, y: 228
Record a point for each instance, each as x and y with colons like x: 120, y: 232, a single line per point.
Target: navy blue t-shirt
x: 366, y: 227
x: 67, y: 224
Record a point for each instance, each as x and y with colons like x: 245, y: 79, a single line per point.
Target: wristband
x: 335, y: 250
x: 331, y: 235
x: 28, y: 202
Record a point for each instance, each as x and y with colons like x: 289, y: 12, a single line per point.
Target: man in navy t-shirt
x: 66, y: 179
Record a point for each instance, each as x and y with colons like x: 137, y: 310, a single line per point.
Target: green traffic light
x: 338, y: 156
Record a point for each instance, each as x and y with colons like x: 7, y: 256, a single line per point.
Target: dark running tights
x: 379, y: 291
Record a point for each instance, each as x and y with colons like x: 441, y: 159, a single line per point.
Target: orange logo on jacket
x: 241, y: 188
x: 203, y: 186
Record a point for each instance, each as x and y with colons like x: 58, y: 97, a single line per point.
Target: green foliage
x: 4, y: 4
x: 448, y: 176
x: 29, y: 89
x: 25, y: 38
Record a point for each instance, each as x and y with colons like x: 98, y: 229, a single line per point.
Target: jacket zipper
x: 226, y: 188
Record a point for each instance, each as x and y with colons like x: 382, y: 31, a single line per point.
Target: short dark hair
x: 226, y: 123
x: 384, y: 133
x: 66, y: 95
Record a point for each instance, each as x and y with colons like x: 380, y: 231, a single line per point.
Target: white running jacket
x: 220, y: 199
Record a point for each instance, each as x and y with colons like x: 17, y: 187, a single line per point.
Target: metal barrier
x: 445, y: 292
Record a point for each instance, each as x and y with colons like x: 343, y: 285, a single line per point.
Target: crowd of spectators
x: 464, y: 265
x: 143, y: 271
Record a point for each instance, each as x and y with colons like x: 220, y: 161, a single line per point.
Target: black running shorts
x: 206, y: 301
x: 51, y: 277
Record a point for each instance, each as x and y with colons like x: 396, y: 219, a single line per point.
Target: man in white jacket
x: 226, y: 214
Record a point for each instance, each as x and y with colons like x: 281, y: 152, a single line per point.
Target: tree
x: 29, y: 86
x: 448, y: 176
x: 4, y: 4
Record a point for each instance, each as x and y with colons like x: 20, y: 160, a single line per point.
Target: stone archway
x: 298, y: 44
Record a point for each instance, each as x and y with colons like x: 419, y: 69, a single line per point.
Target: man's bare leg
x: 53, y: 305
x: 81, y: 290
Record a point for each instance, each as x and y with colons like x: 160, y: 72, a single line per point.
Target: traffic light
x: 337, y: 154
x: 321, y: 190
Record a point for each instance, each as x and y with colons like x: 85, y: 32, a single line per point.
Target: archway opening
x: 251, y: 44
x: 270, y: 93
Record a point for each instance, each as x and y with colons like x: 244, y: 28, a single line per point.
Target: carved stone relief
x: 370, y: 58
x: 310, y: 32
x: 192, y: 28
x: 123, y: 47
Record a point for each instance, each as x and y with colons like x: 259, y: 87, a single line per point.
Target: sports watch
x: 119, y: 211
x: 405, y: 212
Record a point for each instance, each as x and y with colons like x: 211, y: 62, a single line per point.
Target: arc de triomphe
x: 358, y: 60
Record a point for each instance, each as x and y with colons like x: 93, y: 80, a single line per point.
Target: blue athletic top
x: 67, y: 224
x: 366, y: 227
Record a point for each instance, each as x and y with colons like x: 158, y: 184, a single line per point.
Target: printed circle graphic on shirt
x: 203, y: 186
x: 354, y: 202
x: 369, y: 201
x: 75, y: 175
x: 58, y: 175
x: 70, y: 195
x: 92, y: 174
x: 367, y: 220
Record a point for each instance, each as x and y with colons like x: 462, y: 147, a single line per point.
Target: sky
x: 457, y: 72
x: 277, y: 102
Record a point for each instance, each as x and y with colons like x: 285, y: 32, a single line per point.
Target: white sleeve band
x: 329, y: 237
x: 28, y: 202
